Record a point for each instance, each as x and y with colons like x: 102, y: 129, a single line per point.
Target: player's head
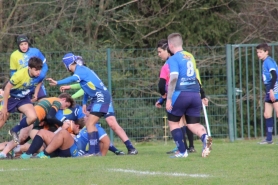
x: 66, y: 100
x: 163, y: 50
x: 22, y: 43
x: 68, y: 60
x: 35, y: 65
x: 79, y: 61
x: 175, y: 42
x: 262, y: 51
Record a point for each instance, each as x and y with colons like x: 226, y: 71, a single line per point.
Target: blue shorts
x: 73, y: 151
x: 101, y: 132
x: 41, y: 93
x: 15, y: 103
x: 109, y: 113
x: 186, y: 103
x: 275, y: 90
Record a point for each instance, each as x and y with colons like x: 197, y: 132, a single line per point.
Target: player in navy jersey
x: 269, y: 77
x: 183, y: 97
x: 95, y: 89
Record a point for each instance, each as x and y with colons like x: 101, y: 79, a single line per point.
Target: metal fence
x: 132, y: 76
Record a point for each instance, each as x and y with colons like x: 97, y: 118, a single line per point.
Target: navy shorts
x: 15, y: 103
x: 186, y: 103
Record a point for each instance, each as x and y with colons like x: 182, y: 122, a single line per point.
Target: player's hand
x: 205, y: 101
x: 34, y: 99
x: 64, y: 87
x: 169, y: 106
x: 4, y: 114
x: 271, y: 95
x: 158, y: 105
x: 52, y: 82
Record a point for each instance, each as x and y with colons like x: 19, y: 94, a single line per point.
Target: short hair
x: 163, y: 44
x: 35, y: 62
x: 68, y: 98
x: 80, y: 122
x: 263, y: 46
x: 175, y: 39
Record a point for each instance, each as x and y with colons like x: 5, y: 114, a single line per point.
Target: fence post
x: 108, y: 55
x: 230, y: 92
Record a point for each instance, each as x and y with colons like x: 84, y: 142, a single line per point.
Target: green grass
x: 241, y: 162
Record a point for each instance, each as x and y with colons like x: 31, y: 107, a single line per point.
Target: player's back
x: 73, y: 113
x: 181, y: 64
x: 89, y: 81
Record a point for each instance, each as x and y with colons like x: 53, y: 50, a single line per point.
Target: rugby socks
x: 22, y: 124
x: 183, y: 129
x: 128, y: 145
x: 93, y: 143
x: 203, y: 137
x: 35, y: 145
x: 178, y: 138
x: 190, y: 137
x: 112, y: 148
x: 269, y: 128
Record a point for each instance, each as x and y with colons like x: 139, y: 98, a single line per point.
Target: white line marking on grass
x: 13, y: 169
x: 160, y: 173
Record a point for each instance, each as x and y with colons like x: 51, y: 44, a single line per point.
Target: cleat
x: 26, y: 156
x: 192, y: 150
x: 3, y: 156
x: 41, y: 155
x: 172, y: 151
x: 15, y: 136
x: 180, y: 155
x: 132, y: 152
x: 119, y: 152
x: 11, y: 154
x: 264, y: 142
x: 206, y: 146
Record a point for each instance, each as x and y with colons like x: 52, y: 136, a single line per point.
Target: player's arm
x: 37, y: 89
x: 272, y: 84
x: 13, y: 65
x: 67, y: 80
x: 78, y: 94
x: 75, y: 86
x: 6, y: 95
x: 51, y: 116
x: 172, y: 84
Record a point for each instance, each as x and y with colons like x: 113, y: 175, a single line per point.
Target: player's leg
x: 114, y: 125
x: 9, y: 147
x: 27, y: 108
x: 2, y: 145
x: 62, y: 141
x: 177, y: 134
x: 42, y: 136
x: 116, y: 151
x: 268, y: 115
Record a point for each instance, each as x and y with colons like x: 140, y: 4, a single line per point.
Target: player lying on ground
x: 45, y: 110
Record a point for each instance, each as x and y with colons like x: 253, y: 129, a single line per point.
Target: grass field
x: 241, y: 162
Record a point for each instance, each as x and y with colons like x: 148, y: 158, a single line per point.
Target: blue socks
x: 22, y: 124
x: 93, y: 143
x: 128, y: 145
x: 35, y: 145
x: 178, y: 138
x: 112, y: 148
x: 269, y: 128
